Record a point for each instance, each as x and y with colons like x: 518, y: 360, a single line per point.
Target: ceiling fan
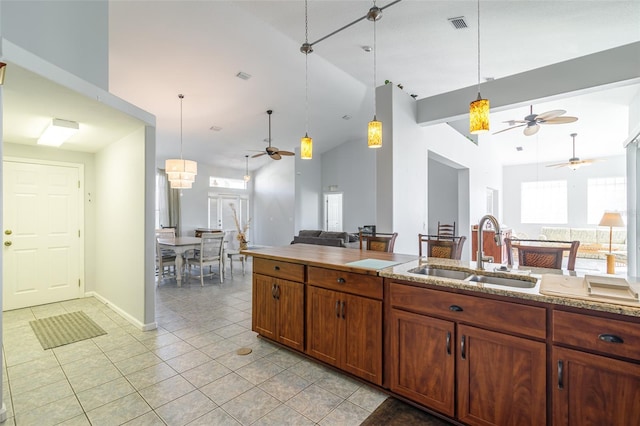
x: 272, y: 151
x: 574, y: 162
x: 532, y: 121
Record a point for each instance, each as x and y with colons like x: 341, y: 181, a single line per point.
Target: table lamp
x: 611, y: 219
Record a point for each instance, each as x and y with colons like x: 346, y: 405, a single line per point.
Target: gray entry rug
x: 393, y: 412
x: 63, y: 329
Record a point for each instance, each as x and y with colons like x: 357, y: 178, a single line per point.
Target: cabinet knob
x: 610, y: 338
x: 455, y: 308
x: 341, y: 280
x: 276, y: 268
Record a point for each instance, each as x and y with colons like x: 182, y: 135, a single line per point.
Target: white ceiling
x: 159, y: 49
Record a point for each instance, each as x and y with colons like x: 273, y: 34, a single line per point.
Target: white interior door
x: 221, y: 215
x: 333, y: 212
x: 42, y: 259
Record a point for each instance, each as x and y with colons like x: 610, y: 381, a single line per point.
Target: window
x: 162, y: 201
x: 220, y: 182
x: 544, y: 202
x: 605, y: 194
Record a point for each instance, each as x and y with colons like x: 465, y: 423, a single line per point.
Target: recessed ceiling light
x: 243, y: 75
x: 346, y: 117
x: 367, y: 48
x: 519, y: 148
x: 215, y: 128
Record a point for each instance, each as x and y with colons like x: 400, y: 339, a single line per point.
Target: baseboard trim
x: 141, y: 326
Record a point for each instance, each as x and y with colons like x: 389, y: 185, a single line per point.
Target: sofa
x: 324, y: 238
x: 593, y: 241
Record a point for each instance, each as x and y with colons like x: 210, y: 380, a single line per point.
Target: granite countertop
x: 401, y: 272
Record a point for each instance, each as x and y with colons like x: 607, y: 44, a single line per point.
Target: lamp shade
x: 612, y: 219
x: 374, y: 134
x: 479, y: 116
x: 306, y: 147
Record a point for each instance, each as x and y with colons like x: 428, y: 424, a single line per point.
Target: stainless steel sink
x: 439, y: 272
x: 507, y: 282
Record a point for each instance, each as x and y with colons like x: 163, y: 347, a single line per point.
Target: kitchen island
x: 473, y: 351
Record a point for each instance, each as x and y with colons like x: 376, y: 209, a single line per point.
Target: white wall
x: 308, y: 193
x: 351, y: 168
x: 443, y: 196
x: 273, y: 203
x: 70, y: 34
x: 576, y: 186
x: 121, y: 221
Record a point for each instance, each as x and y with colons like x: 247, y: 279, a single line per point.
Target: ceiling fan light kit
x: 181, y: 173
x: 479, y: 109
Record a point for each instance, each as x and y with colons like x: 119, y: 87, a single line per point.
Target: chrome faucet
x: 498, y: 238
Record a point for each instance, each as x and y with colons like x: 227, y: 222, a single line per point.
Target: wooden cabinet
x: 278, y: 304
x: 595, y: 370
x: 489, y: 246
x: 449, y: 350
x: 345, y: 329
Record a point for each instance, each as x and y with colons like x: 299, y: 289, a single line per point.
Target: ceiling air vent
x: 458, y: 23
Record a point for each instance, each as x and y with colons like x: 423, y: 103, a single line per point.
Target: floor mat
x: 63, y: 329
x: 393, y: 412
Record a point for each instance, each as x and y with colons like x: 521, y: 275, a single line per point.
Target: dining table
x: 180, y: 246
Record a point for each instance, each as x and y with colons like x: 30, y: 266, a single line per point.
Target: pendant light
x: 181, y: 173
x: 247, y: 176
x: 306, y: 143
x: 479, y: 109
x: 374, y: 132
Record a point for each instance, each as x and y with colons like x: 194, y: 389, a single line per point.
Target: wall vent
x: 458, y: 22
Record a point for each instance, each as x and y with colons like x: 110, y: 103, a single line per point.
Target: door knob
x: 8, y: 232
x: 7, y: 243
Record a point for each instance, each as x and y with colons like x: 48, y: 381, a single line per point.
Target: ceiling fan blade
x: 531, y: 130
x: 560, y: 120
x: 258, y: 155
x: 558, y: 165
x: 286, y: 153
x: 550, y: 114
x: 275, y: 156
x: 512, y: 122
x: 509, y: 128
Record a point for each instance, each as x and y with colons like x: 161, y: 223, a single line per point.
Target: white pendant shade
x: 181, y: 173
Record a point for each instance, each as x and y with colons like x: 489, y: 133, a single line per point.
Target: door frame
x: 81, y: 212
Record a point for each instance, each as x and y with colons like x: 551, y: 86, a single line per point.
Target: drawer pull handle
x: 337, y: 309
x: 276, y: 268
x: 610, y: 338
x: 463, y: 351
x: 560, y: 372
x: 448, y: 343
x: 343, y: 309
x: 273, y: 291
x: 455, y: 308
x: 341, y: 280
x: 277, y: 292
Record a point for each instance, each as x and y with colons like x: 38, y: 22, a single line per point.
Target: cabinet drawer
x: 279, y: 269
x: 609, y: 336
x: 349, y: 282
x: 495, y: 314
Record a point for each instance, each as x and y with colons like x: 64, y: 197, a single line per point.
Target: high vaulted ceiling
x: 159, y: 49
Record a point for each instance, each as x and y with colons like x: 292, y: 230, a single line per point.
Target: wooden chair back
x: 446, y: 230
x: 378, y: 242
x: 542, y: 253
x: 450, y: 248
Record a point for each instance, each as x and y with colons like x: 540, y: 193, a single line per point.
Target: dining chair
x: 542, y: 253
x: 446, y: 230
x: 379, y: 242
x: 165, y: 258
x: 211, y: 253
x: 450, y: 248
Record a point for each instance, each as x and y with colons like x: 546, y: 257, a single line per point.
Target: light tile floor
x: 185, y: 372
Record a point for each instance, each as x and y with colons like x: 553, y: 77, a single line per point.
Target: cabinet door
x: 290, y: 296
x: 264, y: 315
x: 423, y: 359
x: 594, y: 390
x: 324, y: 319
x: 362, y: 319
x: 501, y: 379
